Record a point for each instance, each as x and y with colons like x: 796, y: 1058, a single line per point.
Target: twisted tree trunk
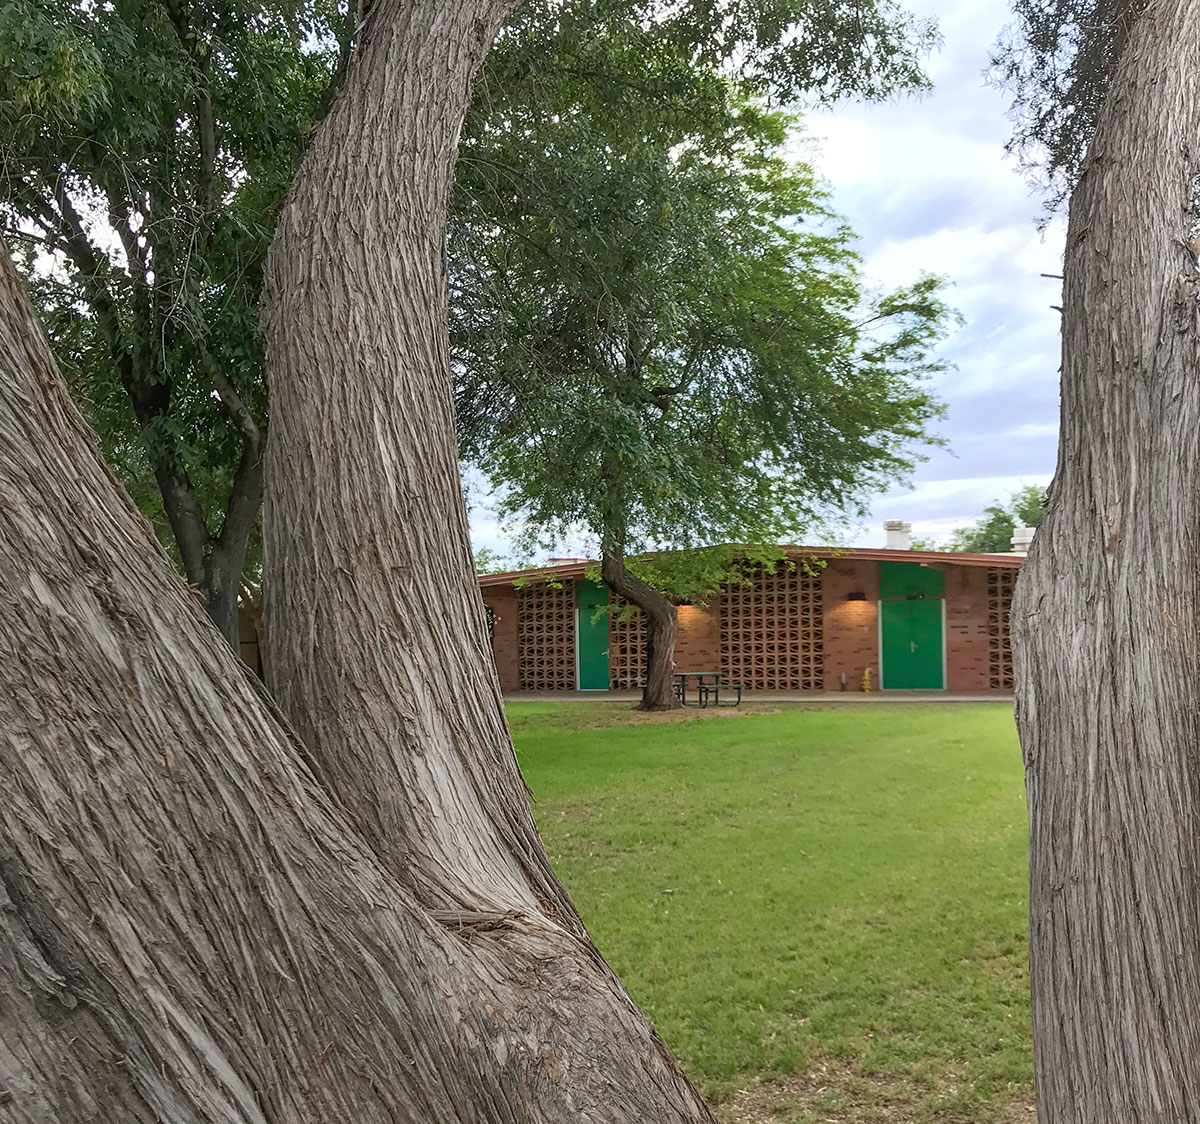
x: 1106, y: 621
x: 376, y: 645
x: 202, y: 919
x: 191, y: 928
x: 662, y: 630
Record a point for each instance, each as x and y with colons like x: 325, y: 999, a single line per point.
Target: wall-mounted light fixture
x: 857, y: 595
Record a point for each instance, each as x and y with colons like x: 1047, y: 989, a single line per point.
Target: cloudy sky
x: 926, y: 184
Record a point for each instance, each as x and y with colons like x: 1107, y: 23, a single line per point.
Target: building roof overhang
x: 570, y: 571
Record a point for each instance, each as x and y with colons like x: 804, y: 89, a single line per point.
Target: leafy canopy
x: 147, y: 146
x: 1057, y: 60
x: 661, y: 334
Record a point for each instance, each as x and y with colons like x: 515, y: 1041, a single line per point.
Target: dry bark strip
x: 376, y: 644
x: 1106, y: 617
x: 201, y: 918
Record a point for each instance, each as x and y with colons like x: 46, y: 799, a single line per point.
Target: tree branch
x: 206, y: 129
x: 245, y: 502
x: 150, y: 401
x: 235, y: 406
x: 92, y: 267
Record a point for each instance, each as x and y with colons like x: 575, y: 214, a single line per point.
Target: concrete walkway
x: 846, y: 698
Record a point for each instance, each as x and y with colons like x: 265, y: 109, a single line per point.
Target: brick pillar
x: 966, y: 628
x: 502, y: 600
x: 699, y: 644
x: 851, y: 628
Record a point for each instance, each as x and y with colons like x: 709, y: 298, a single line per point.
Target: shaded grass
x: 777, y: 889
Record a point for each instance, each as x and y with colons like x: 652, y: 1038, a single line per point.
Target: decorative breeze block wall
x: 1000, y: 590
x: 626, y: 646
x: 772, y: 631
x: 546, y: 637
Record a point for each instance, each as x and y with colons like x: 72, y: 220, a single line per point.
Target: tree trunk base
x: 658, y: 707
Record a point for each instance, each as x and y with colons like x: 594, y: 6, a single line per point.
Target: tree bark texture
x: 662, y: 630
x: 1106, y: 621
x: 192, y: 929
x: 377, y: 649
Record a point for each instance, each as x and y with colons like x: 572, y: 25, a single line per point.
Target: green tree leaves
x: 1057, y: 60
x: 660, y: 329
x: 148, y: 145
x: 993, y: 532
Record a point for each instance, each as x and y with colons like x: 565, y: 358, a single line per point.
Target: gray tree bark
x: 192, y: 929
x: 200, y: 919
x: 376, y: 645
x: 1106, y: 616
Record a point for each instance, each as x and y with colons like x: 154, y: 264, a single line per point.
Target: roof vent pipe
x: 899, y: 534
x: 1021, y: 539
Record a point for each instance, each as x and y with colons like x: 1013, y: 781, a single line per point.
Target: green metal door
x: 910, y: 627
x: 911, y: 645
x: 591, y: 632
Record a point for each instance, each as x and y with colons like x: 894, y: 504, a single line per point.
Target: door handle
x: 912, y: 645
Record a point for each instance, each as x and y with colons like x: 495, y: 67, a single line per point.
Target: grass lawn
x: 838, y: 894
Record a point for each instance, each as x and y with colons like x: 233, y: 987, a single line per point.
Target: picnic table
x: 708, y: 688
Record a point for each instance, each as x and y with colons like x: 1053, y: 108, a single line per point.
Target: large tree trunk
x: 376, y: 644
x: 191, y: 929
x: 662, y: 630
x: 1106, y: 621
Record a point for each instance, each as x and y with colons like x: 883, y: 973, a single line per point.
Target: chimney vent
x: 899, y: 534
x: 1021, y: 539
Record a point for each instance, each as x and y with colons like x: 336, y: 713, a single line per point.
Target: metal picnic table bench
x: 709, y: 686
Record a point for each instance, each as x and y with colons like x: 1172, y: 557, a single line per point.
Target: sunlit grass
x: 776, y: 889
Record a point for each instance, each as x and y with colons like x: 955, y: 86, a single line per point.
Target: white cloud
x: 926, y: 184
x: 1034, y: 429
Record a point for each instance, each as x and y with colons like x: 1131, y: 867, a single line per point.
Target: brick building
x: 915, y: 619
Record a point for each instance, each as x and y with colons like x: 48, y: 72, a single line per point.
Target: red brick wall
x: 248, y: 641
x: 699, y: 645
x: 851, y: 628
x: 966, y: 628
x: 503, y: 602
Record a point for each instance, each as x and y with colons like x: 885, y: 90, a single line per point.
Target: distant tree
x: 992, y: 534
x: 662, y: 337
x: 489, y: 561
x: 146, y: 146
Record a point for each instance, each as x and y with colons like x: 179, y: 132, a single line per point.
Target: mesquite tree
x: 204, y: 918
x: 1106, y: 621
x: 662, y: 337
x: 145, y: 149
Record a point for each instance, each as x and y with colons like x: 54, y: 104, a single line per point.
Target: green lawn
x: 802, y: 889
